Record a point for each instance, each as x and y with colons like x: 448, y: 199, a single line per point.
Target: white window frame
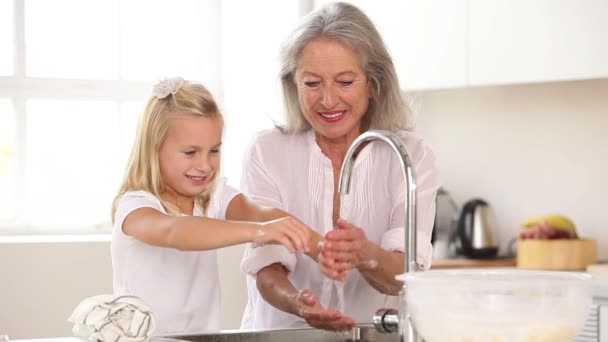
x: 18, y: 88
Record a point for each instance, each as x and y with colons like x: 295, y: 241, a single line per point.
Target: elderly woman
x: 338, y: 81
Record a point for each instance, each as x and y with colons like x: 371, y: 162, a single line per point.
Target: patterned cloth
x: 113, y: 319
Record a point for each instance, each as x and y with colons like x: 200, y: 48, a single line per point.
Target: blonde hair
x: 347, y: 25
x: 143, y: 169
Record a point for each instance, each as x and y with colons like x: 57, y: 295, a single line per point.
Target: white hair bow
x: 167, y: 86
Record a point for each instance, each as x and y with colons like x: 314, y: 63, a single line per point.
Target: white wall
x: 41, y: 283
x: 528, y: 149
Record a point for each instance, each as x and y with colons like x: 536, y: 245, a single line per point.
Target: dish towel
x: 110, y: 318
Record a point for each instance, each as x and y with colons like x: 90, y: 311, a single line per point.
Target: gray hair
x: 348, y: 25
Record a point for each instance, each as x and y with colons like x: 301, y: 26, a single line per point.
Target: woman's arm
x: 272, y: 280
x: 276, y: 289
x: 201, y: 233
x: 381, y: 274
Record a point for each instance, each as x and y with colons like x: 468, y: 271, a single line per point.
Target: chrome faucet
x: 390, y: 320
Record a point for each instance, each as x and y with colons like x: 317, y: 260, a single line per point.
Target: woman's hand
x: 318, y: 317
x: 287, y: 231
x: 276, y: 288
x: 347, y: 247
x: 343, y: 250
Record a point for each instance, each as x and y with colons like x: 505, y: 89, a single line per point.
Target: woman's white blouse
x: 181, y: 287
x: 290, y: 172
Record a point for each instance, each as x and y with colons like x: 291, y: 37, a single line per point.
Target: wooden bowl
x: 558, y: 255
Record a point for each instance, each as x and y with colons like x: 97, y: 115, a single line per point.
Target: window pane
x: 257, y: 80
x: 72, y: 162
x: 6, y: 37
x: 71, y: 39
x: 7, y: 161
x: 166, y: 41
x: 130, y: 112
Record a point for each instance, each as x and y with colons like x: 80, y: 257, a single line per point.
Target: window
x: 70, y: 155
x: 73, y: 85
x: 7, y: 160
x: 251, y: 91
x: 6, y: 37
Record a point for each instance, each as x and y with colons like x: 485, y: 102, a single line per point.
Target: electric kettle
x: 475, y: 229
x: 446, y: 217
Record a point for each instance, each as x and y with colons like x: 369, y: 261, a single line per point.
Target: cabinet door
x: 518, y: 41
x: 427, y: 39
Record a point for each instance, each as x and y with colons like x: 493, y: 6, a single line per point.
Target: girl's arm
x: 201, y: 233
x: 243, y: 209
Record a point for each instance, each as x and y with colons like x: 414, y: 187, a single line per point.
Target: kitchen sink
x: 360, y: 333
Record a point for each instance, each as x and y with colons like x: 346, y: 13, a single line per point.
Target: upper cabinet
x: 445, y: 44
x: 520, y: 41
x: 426, y: 38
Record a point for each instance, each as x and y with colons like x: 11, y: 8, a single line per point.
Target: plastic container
x: 498, y: 305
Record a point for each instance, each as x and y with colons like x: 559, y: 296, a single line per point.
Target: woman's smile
x: 332, y: 116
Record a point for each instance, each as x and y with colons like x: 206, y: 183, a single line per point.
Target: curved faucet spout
x: 387, y: 322
x: 408, y: 173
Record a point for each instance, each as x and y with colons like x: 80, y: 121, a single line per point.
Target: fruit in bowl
x: 551, y: 242
x: 548, y: 227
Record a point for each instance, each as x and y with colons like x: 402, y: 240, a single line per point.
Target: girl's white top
x: 290, y: 172
x: 181, y: 287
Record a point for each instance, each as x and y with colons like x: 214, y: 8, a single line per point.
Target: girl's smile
x: 198, y: 180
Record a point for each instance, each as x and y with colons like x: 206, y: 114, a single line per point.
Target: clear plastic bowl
x: 498, y: 305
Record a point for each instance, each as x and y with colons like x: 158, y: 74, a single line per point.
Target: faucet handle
x: 386, y: 320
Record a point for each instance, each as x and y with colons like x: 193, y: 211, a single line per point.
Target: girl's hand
x: 343, y: 250
x: 287, y: 231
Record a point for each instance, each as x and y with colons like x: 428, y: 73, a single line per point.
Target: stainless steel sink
x: 361, y: 333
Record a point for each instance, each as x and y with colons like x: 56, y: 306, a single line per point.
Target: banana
x: 558, y: 222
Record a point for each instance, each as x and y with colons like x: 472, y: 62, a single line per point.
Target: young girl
x: 173, y: 210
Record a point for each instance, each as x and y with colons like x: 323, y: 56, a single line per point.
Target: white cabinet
x: 426, y: 38
x: 521, y: 41
x: 428, y: 43
x: 445, y: 44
